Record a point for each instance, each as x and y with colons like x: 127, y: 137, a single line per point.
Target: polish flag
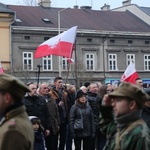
x: 1, y: 68
x: 60, y: 45
x: 130, y: 74
x: 70, y: 60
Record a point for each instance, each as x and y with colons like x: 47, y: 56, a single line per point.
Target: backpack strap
x: 119, y: 136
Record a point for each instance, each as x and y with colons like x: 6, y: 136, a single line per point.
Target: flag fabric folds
x: 130, y: 74
x: 60, y: 45
x: 1, y: 68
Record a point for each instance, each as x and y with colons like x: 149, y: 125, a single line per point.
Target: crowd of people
x: 59, y: 117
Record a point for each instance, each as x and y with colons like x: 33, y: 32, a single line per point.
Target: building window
x: 27, y: 61
x: 112, y: 58
x: 90, y: 61
x: 112, y: 41
x: 46, y: 20
x: 47, y: 63
x: 64, y: 63
x: 130, y: 58
x: 130, y: 41
x: 89, y: 40
x: 27, y: 37
x: 147, y: 62
x: 46, y: 38
x: 146, y: 42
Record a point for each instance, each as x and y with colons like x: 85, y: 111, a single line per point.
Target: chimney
x: 75, y: 6
x: 44, y: 3
x: 85, y: 7
x: 105, y: 7
x: 126, y: 2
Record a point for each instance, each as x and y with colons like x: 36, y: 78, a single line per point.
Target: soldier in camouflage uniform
x: 124, y: 128
x: 16, y: 132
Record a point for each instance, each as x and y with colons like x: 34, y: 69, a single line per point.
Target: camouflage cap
x: 131, y: 91
x: 12, y: 85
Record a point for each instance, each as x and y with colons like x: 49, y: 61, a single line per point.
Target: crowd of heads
x: 94, y: 87
x: 128, y: 91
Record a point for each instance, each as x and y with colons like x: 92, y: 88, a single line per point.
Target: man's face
x: 33, y: 90
x: 84, y: 89
x: 121, y: 106
x: 59, y: 84
x: 139, y: 83
x: 93, y: 88
x: 43, y: 89
x: 109, y: 86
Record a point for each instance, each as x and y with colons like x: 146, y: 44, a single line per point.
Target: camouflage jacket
x: 135, y: 138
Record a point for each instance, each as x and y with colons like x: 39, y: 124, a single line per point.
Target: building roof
x: 32, y: 16
x: 5, y: 9
x: 146, y: 10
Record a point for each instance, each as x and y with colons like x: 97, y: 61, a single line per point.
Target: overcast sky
x: 96, y: 4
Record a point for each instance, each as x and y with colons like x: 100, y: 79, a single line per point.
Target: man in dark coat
x: 36, y: 106
x: 92, y: 99
x: 52, y: 139
x: 16, y: 132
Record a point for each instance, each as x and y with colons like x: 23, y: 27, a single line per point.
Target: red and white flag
x: 72, y: 59
x: 60, y: 45
x: 130, y: 74
x: 1, y: 68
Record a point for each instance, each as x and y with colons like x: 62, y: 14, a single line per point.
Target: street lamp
x: 59, y: 33
x: 38, y: 74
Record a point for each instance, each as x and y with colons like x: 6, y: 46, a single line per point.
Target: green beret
x: 12, y: 85
x: 131, y: 91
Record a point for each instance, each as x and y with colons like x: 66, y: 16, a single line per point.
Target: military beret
x: 131, y: 91
x: 12, y: 85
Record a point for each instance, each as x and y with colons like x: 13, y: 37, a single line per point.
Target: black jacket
x: 146, y: 115
x: 88, y: 120
x: 37, y: 106
x: 93, y: 100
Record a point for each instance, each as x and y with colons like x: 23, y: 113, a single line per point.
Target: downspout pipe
x: 10, y: 43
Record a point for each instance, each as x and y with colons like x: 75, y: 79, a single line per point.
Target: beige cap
x: 12, y: 85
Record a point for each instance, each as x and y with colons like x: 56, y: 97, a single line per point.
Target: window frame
x: 128, y: 60
x: 90, y: 59
x: 47, y: 64
x: 64, y: 63
x: 28, y: 59
x: 112, y: 60
x: 148, y: 61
